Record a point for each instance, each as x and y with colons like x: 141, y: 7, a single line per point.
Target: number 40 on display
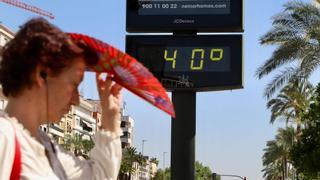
x: 216, y: 54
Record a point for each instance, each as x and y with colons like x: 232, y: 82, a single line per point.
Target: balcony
x: 125, y: 140
x: 126, y: 129
x: 56, y: 130
x: 85, y: 116
x: 127, y: 119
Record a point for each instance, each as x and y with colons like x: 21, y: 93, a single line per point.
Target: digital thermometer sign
x: 196, y: 63
x: 177, y: 15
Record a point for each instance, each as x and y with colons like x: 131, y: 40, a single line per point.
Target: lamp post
x: 215, y: 175
x: 164, y: 160
x: 143, y: 140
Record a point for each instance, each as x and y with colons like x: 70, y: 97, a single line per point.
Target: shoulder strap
x: 16, y: 168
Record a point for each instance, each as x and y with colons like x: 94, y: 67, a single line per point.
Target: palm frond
x: 296, y: 31
x: 278, y: 36
x: 316, y: 3
x: 306, y: 15
x: 279, y: 80
x: 284, y: 54
x: 291, y: 102
x: 310, y: 63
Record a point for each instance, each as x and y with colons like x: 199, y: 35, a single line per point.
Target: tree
x: 202, y: 172
x: 154, y: 160
x: 87, y: 145
x: 291, y: 103
x: 305, y: 153
x: 276, y: 155
x: 296, y: 33
x: 163, y: 174
x: 129, y: 157
x: 77, y: 145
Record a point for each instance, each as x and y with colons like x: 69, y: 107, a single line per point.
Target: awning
x: 87, y: 124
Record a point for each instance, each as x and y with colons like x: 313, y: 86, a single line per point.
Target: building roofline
x: 7, y: 30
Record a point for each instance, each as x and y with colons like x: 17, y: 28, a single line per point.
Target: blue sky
x: 232, y: 126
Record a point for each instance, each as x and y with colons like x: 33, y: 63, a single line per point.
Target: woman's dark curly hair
x: 38, y: 43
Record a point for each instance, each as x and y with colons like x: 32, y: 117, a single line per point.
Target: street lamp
x: 143, y: 140
x: 164, y: 160
x: 215, y: 176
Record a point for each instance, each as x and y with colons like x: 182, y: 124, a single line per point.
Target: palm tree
x: 276, y: 156
x: 273, y: 171
x: 154, y: 160
x: 292, y: 101
x: 77, y: 145
x: 129, y: 157
x: 296, y: 33
x: 87, y: 145
x: 72, y: 142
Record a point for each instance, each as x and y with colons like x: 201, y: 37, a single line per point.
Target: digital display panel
x: 184, y: 15
x: 195, y: 63
x: 188, y: 58
x: 183, y: 7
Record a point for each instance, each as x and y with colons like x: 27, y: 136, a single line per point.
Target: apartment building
x: 81, y: 120
x: 84, y: 122
x: 5, y: 35
x: 145, y: 171
x: 127, y: 124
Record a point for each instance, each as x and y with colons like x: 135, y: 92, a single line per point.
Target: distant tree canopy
x: 163, y: 174
x: 77, y: 145
x: 305, y: 153
x: 201, y: 172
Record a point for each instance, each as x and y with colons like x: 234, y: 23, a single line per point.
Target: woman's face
x: 63, y: 89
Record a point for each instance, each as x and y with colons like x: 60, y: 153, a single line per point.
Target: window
x: 126, y: 135
x: 123, y: 124
x: 86, y: 126
x: 77, y: 121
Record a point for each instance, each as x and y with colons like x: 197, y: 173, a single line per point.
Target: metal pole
x: 164, y: 164
x: 143, y: 145
x: 164, y: 160
x: 183, y: 136
x: 231, y: 175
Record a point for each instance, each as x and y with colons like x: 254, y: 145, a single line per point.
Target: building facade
x: 5, y: 35
x: 84, y: 122
x: 127, y: 124
x: 146, y: 171
x: 81, y: 120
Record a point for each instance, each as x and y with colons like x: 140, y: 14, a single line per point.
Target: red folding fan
x: 128, y: 72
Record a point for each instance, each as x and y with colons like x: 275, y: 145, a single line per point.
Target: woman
x: 40, y: 72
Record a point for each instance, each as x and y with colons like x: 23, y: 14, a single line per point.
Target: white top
x: 104, y: 163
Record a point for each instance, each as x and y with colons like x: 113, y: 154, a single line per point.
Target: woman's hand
x: 110, y: 99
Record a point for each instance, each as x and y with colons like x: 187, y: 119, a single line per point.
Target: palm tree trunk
x: 298, y: 132
x: 131, y: 164
x: 283, y: 170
